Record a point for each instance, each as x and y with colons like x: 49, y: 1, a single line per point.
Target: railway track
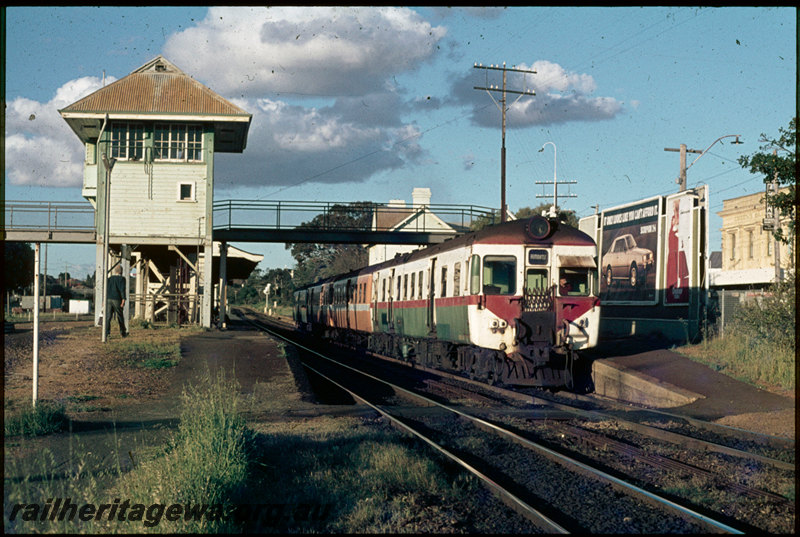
x: 506, y: 462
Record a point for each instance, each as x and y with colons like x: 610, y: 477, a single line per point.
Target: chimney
x: 421, y: 197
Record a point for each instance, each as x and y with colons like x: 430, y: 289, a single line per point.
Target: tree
x: 783, y: 166
x: 18, y: 258
x: 316, y: 261
x: 569, y: 217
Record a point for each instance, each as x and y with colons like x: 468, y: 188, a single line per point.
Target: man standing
x: 116, y: 300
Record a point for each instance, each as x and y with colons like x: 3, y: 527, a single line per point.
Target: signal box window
x: 127, y: 141
x: 186, y: 192
x: 573, y: 282
x: 499, y: 275
x: 179, y: 142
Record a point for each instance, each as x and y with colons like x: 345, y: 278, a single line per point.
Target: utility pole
x: 681, y: 180
x: 503, y: 109
x: 775, y: 225
x: 555, y: 182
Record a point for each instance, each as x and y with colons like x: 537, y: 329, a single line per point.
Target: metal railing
x: 48, y: 216
x: 342, y: 216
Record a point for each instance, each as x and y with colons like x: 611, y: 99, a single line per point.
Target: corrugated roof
x: 158, y: 87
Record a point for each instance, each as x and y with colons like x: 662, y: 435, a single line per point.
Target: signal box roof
x: 159, y: 91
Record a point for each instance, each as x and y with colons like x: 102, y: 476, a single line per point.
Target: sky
x: 367, y: 103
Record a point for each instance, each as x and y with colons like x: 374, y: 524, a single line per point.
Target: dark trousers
x: 114, y: 308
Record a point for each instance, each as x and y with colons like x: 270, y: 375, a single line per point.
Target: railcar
x: 513, y: 303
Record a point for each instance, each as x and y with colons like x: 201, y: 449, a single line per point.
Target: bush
x: 771, y: 320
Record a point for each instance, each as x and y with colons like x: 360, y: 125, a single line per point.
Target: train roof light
x: 538, y: 227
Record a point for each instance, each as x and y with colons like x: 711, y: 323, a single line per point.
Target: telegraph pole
x: 503, y: 108
x: 681, y: 180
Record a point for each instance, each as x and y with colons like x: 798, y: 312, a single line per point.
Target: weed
x: 45, y: 418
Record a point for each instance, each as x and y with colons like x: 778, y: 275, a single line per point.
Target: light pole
x: 681, y: 180
x: 554, y: 211
x: 109, y: 165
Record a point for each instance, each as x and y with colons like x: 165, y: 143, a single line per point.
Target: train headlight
x: 503, y: 323
x: 493, y: 324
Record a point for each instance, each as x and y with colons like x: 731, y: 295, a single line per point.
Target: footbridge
x: 263, y: 221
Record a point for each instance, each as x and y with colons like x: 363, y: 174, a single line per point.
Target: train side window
x: 444, y: 281
x: 399, y: 281
x: 419, y: 282
x: 383, y: 292
x: 457, y: 279
x: 405, y: 287
x: 413, y: 274
x: 475, y: 275
x: 499, y: 275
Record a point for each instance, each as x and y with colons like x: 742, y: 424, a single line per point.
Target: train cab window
x: 499, y: 275
x: 475, y: 275
x: 444, y: 281
x: 536, y: 279
x: 413, y: 274
x: 574, y: 281
x: 457, y: 279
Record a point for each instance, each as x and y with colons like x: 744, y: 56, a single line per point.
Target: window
x: 399, y: 281
x: 127, y: 141
x: 573, y: 282
x: 733, y: 246
x: 405, y: 287
x: 413, y: 274
x: 750, y: 244
x: 499, y: 275
x: 178, y: 142
x: 536, y: 280
x: 186, y: 192
x: 383, y: 292
x: 419, y: 280
x: 475, y: 275
x: 444, y: 282
x: 457, y: 279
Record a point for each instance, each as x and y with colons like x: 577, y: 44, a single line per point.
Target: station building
x: 150, y: 140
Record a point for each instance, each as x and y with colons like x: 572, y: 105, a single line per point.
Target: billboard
x: 629, y: 246
x: 678, y: 267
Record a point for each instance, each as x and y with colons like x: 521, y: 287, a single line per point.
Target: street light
x: 681, y: 180
x: 554, y: 211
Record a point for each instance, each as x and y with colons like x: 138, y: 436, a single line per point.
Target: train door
x: 347, y: 294
x: 375, y: 287
x: 432, y: 297
x: 391, y: 300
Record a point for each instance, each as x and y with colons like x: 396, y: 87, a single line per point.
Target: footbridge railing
x: 360, y: 223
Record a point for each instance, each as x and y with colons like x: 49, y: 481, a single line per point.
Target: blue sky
x: 353, y: 104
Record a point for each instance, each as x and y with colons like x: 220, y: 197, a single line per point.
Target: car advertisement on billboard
x: 678, y: 268
x: 628, y: 253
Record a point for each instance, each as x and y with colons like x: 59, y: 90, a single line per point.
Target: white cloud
x: 328, y: 51
x: 560, y: 96
x: 41, y: 149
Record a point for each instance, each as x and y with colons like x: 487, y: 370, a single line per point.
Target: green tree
x: 316, y: 260
x: 569, y: 217
x: 18, y: 258
x: 782, y: 165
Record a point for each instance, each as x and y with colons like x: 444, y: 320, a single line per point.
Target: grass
x: 758, y: 345
x: 45, y: 418
x: 149, y: 354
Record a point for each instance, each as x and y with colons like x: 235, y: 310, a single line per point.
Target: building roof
x: 160, y: 91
